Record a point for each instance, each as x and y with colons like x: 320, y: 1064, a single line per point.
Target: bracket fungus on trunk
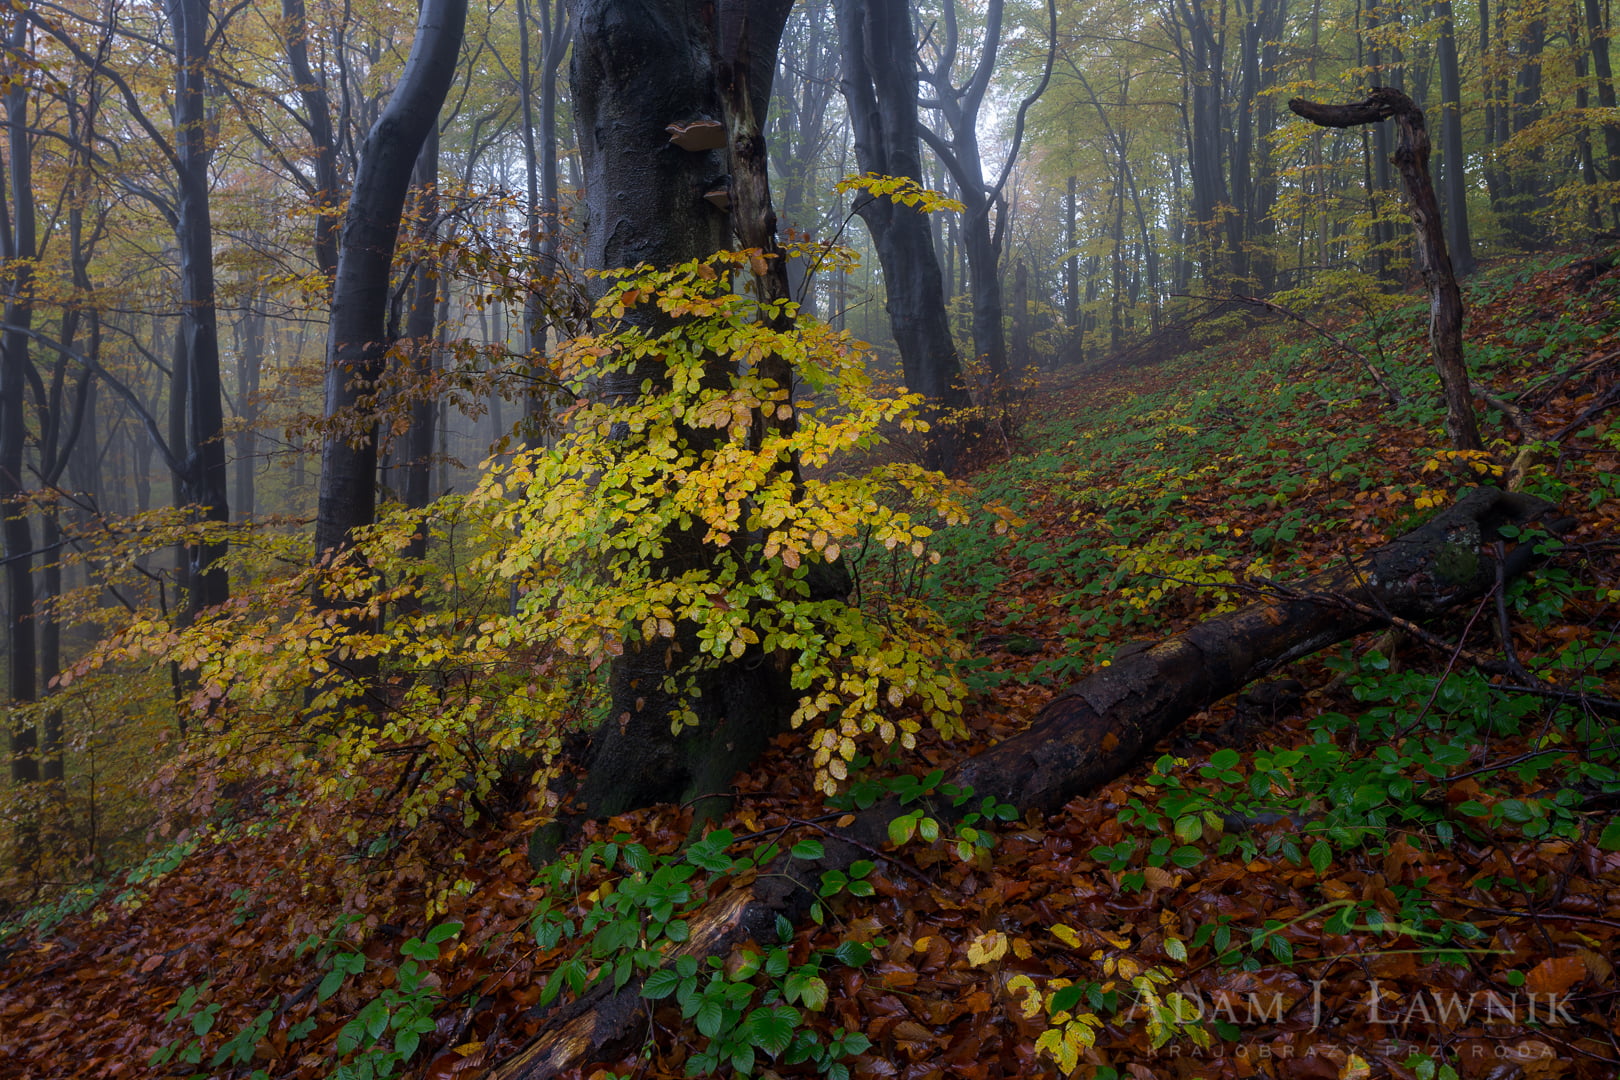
x: 698, y: 135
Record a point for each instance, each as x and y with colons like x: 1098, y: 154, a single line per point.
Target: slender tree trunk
x: 249, y: 370
x: 534, y: 336
x: 1116, y: 324
x: 357, y: 340
x: 1530, y: 183
x: 1451, y: 145
x: 1383, y: 179
x: 203, y: 447
x: 1071, y: 262
x: 880, y: 87
x: 17, y: 250
x: 1583, y: 134
x: 1020, y: 317
x: 419, y: 332
x: 1597, y: 32
x: 323, y: 145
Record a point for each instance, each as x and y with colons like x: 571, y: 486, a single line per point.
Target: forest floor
x: 1381, y: 863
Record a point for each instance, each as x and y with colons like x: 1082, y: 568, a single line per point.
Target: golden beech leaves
x: 488, y: 650
x: 900, y: 189
x: 705, y: 452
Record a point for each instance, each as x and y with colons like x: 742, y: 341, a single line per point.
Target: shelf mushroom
x: 698, y: 135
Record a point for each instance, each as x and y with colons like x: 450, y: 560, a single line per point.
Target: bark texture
x: 1434, y: 261
x: 18, y: 248
x: 1094, y: 731
x: 640, y: 66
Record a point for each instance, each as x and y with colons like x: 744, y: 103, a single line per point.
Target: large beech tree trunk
x: 1095, y: 730
x: 640, y: 66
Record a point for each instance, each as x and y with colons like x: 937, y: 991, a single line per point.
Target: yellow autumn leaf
x: 1023, y: 988
x: 989, y: 947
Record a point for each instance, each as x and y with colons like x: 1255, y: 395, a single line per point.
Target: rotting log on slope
x: 1098, y: 728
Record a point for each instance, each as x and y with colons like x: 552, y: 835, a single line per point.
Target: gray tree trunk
x: 357, y: 339
x: 880, y: 88
x: 638, y: 67
x: 202, y: 481
x: 17, y: 250
x: 1451, y: 145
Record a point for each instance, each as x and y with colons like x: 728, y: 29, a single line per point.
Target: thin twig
x: 872, y: 851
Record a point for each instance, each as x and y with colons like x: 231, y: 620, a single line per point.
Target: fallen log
x: 1097, y: 729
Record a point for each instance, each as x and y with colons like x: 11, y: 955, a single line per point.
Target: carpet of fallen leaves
x: 89, y: 998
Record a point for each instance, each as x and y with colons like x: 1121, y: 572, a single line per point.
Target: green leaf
x: 852, y: 954
x: 1368, y: 796
x: 660, y: 984
x: 375, y: 1018
x: 1065, y: 999
x: 902, y: 829
x: 710, y: 1017
x: 1515, y: 810
x: 329, y: 985
x: 443, y: 932
x: 1609, y: 840
x: 808, y: 989
x: 771, y: 1029
x: 203, y: 1022
x: 710, y: 852
x: 1186, y: 857
x: 747, y: 964
x: 1321, y: 857
x: 808, y: 849
x: 638, y: 858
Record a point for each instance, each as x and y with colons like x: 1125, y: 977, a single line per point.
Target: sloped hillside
x: 1398, y: 857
